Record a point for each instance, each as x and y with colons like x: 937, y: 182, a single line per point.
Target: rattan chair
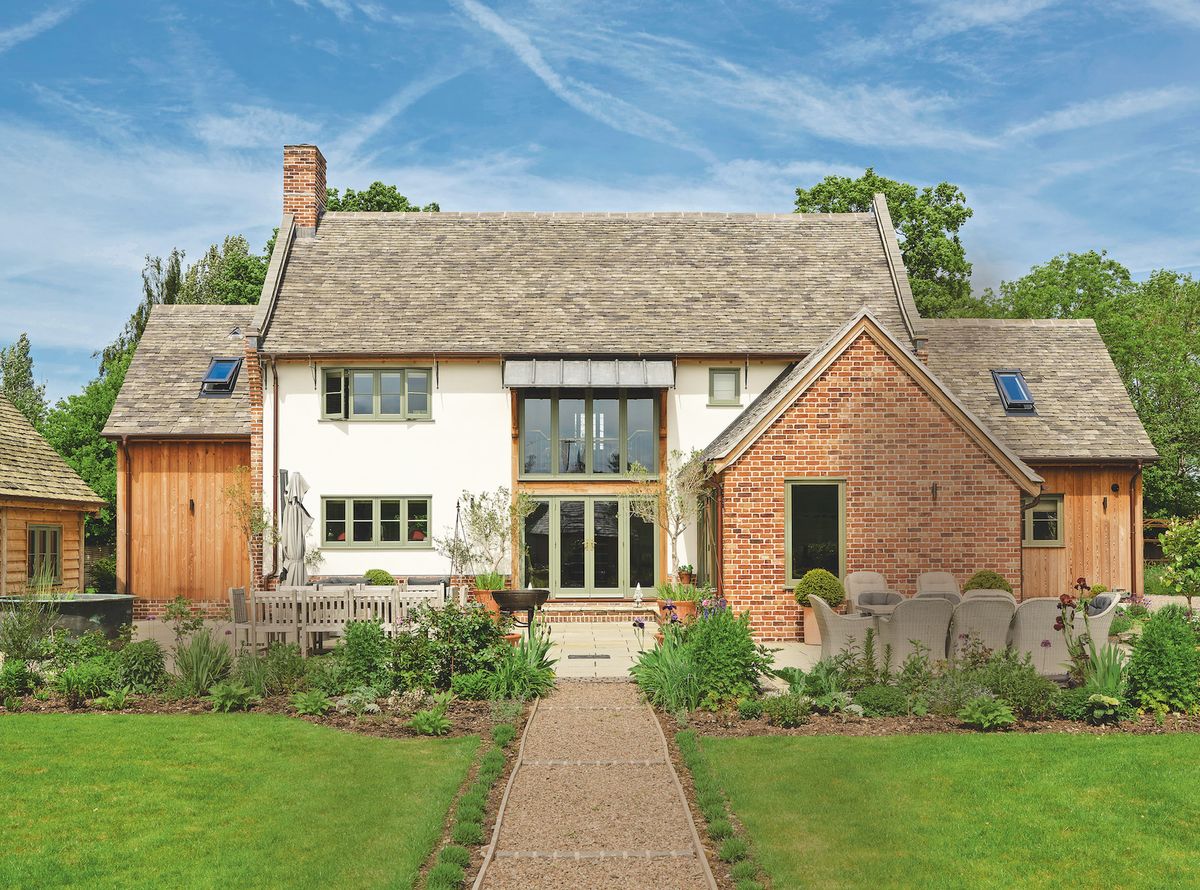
x: 937, y: 582
x: 858, y: 583
x: 989, y: 594
x: 948, y: 595
x: 838, y: 632
x: 916, y: 624
x: 988, y: 618
x: 1033, y: 633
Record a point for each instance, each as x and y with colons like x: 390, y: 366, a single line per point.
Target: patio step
x: 568, y: 611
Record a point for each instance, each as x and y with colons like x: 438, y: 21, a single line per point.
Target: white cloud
x: 356, y: 135
x: 1106, y: 110
x: 1185, y: 12
x: 43, y: 21
x: 253, y: 126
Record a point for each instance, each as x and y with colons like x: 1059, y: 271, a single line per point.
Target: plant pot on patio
x: 513, y: 638
x: 819, y: 583
x: 684, y: 609
x: 686, y: 577
x: 486, y: 599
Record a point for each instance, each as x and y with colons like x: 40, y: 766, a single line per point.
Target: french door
x: 589, y: 546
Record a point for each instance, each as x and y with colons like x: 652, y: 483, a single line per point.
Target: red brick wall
x: 253, y: 371
x: 867, y: 422
x: 303, y: 184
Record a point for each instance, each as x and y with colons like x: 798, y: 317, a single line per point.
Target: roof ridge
x: 594, y: 214
x: 1049, y: 322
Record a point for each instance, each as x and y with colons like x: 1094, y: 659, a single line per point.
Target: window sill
x: 1044, y: 545
x: 736, y: 404
x: 584, y: 477
x: 376, y: 420
x: 395, y: 546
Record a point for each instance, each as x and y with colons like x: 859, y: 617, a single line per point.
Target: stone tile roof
x: 161, y: 393
x: 591, y: 283
x: 31, y: 468
x: 1083, y: 410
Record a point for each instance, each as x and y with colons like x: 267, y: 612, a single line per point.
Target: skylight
x: 221, y: 377
x: 1014, y: 392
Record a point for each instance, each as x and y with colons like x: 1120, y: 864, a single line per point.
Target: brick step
x: 560, y: 612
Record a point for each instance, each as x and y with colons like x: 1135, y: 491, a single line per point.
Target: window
x: 1044, y: 522
x: 573, y: 432
x: 381, y: 523
x: 45, y: 554
x: 1014, y: 392
x: 221, y: 377
x: 376, y: 394
x: 816, y: 527
x: 724, y: 386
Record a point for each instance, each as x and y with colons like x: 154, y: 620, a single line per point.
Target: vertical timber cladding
x: 1101, y: 540
x: 181, y: 540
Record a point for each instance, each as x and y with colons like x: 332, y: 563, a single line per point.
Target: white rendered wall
x: 693, y: 423
x: 467, y: 446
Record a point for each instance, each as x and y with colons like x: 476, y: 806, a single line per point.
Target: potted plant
x: 674, y: 500
x: 482, y: 540
x: 822, y: 584
x: 680, y: 600
x: 686, y: 574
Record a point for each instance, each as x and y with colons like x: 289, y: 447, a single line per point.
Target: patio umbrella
x: 293, y: 528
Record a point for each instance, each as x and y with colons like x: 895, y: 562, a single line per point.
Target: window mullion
x: 554, y: 448
x: 589, y: 421
x: 404, y: 394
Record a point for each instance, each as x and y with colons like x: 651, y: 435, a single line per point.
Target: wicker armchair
x: 1101, y: 611
x: 916, y: 623
x: 929, y: 583
x: 948, y: 595
x: 858, y: 583
x: 838, y: 632
x: 988, y: 618
x: 990, y: 594
x: 1033, y: 633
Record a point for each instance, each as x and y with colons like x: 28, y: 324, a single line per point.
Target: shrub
x: 787, y: 711
x: 444, y: 642
x: 1014, y: 679
x: 142, y: 666
x: 734, y: 849
x: 1103, y: 709
x: 455, y: 855
x: 881, y: 701
x: 63, y: 648
x: 987, y: 580
x: 326, y: 673
x: 16, y: 678
x: 284, y: 668
x: 474, y: 686
x: 367, y: 655
x: 820, y: 583
x: 231, y: 696
x: 313, y: 703
x: 525, y: 670
x: 1072, y: 704
x: 667, y: 674
x: 115, y: 699
x: 503, y: 734
x: 728, y: 661
x: 750, y: 708
x: 12, y: 703
x: 445, y: 874
x: 87, y: 679
x: 379, y: 578
x: 987, y: 713
x: 1164, y: 670
x: 201, y: 661
x: 104, y: 574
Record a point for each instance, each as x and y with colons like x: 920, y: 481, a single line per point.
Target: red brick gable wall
x: 868, y: 422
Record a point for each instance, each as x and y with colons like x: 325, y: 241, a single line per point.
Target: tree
x: 675, y: 506
x: 73, y: 427
x: 1072, y: 285
x: 488, y: 523
x: 377, y: 198
x: 162, y: 283
x: 16, y: 378
x: 228, y: 274
x: 927, y: 219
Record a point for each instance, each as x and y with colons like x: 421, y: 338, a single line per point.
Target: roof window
x: 1014, y: 392
x: 221, y: 377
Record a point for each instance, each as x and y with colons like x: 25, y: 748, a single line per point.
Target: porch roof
x: 634, y: 373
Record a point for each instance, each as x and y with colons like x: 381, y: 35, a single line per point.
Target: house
x: 182, y: 427
x: 396, y: 360
x: 43, y: 503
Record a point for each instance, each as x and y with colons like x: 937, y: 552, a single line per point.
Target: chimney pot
x: 304, y: 185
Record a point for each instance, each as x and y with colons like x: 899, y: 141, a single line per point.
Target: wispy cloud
x: 253, y: 126
x: 108, y: 122
x: 351, y: 141
x: 43, y: 21
x: 586, y: 98
x: 1186, y: 12
x: 1106, y: 110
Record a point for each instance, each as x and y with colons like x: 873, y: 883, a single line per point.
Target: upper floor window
x: 724, y: 386
x: 1014, y: 392
x: 376, y: 394
x: 567, y: 432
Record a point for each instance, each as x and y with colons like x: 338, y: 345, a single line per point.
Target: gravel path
x: 594, y: 801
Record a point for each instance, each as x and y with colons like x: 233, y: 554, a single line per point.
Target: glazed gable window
x: 382, y: 523
x: 570, y: 432
x: 376, y: 393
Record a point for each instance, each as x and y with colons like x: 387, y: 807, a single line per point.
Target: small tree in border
x: 487, y: 528
x: 1181, y: 547
x: 244, y: 506
x: 675, y: 506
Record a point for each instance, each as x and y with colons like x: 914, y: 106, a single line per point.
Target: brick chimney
x: 304, y: 184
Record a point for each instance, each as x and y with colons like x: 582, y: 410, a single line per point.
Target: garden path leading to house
x: 594, y: 801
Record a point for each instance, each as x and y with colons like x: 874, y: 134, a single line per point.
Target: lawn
x: 959, y: 811
x: 238, y: 800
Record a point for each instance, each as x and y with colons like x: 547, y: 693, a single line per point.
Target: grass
x: 957, y: 811
x: 218, y: 801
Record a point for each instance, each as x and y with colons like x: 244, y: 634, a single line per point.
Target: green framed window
x: 44, y: 553
x: 585, y: 432
x: 376, y: 393
x: 816, y: 527
x: 381, y: 523
x: 724, y: 386
x: 1044, y: 523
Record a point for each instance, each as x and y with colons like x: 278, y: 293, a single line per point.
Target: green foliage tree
x: 927, y: 220
x: 377, y: 198
x: 162, y: 282
x: 229, y: 274
x: 17, y: 383
x: 1072, y: 285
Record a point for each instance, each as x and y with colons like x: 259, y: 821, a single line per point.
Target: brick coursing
x: 867, y: 422
x: 153, y: 610
x: 304, y: 189
x: 253, y: 371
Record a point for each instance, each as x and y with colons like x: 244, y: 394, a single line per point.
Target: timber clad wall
x: 183, y: 541
x: 1098, y: 537
x: 867, y: 422
x: 15, y: 517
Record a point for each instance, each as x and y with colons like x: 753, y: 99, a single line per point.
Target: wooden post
x: 3, y: 551
x: 82, y: 553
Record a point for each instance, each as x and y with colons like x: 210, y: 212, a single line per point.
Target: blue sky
x: 128, y: 127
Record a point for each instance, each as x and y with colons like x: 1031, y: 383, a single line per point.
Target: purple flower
x: 1045, y: 644
x: 639, y: 623
x: 228, y: 632
x: 669, y: 605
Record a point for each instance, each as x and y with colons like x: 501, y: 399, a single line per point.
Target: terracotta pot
x: 513, y: 638
x: 687, y: 578
x: 812, y: 633
x: 485, y: 599
x: 659, y: 637
x: 686, y: 610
